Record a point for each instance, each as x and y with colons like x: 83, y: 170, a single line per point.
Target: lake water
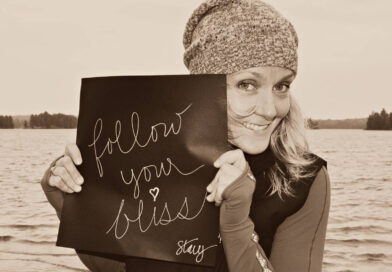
x: 359, y: 236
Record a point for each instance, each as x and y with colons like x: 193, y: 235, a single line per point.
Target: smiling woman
x: 273, y: 193
x: 258, y: 99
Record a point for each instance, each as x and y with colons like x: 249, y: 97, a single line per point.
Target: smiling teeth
x: 254, y: 126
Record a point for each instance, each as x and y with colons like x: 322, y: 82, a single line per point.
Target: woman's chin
x: 252, y: 147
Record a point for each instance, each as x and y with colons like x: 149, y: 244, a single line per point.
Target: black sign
x: 148, y: 143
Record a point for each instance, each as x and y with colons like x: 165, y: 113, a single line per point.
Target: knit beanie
x: 226, y: 36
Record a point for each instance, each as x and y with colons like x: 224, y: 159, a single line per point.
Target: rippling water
x: 359, y: 236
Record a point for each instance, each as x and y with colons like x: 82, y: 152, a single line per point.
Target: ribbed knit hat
x: 226, y: 36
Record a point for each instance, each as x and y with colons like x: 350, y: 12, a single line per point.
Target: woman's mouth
x: 254, y: 127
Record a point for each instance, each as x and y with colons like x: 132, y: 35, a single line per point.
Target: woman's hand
x: 231, y: 165
x: 64, y: 174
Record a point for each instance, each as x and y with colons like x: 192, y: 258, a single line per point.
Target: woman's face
x: 258, y: 99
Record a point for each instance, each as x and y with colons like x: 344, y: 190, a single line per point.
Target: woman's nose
x: 265, y: 105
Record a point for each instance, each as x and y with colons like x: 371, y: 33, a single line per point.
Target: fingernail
x: 209, y: 188
x: 215, y: 164
x: 208, y: 198
x: 80, y: 180
x: 78, y: 188
x: 78, y: 161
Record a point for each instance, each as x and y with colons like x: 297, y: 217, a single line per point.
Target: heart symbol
x: 154, y: 192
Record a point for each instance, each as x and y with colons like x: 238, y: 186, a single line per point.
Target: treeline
x: 376, y: 121
x: 46, y: 120
x: 353, y: 123
x: 6, y: 121
x: 379, y: 121
x: 42, y: 120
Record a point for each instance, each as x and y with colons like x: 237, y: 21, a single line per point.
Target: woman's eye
x: 246, y: 86
x: 282, y: 87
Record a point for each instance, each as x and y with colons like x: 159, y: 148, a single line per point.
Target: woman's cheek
x: 283, y: 107
x: 239, y: 104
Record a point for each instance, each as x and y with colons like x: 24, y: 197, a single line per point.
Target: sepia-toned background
x: 47, y: 46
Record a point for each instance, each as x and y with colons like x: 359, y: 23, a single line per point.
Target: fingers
x: 218, y: 195
x: 56, y: 181
x: 229, y: 172
x: 226, y: 175
x: 64, y: 175
x: 69, y: 165
x: 66, y: 179
x: 72, y: 150
x: 211, y: 188
x: 234, y: 157
x: 231, y: 164
x: 214, y: 196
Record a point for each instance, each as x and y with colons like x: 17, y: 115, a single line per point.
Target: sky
x: 47, y: 46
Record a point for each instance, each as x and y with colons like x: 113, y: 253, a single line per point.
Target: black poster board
x: 148, y: 143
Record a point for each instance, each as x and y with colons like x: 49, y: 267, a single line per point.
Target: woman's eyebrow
x: 249, y: 73
x: 256, y: 74
x: 262, y: 77
x: 259, y: 75
x: 289, y: 76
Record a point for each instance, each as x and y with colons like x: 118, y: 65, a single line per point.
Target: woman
x: 274, y: 195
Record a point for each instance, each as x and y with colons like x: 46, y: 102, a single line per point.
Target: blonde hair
x: 291, y: 150
x: 289, y: 145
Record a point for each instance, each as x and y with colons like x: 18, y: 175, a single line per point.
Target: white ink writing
x: 154, y: 192
x: 186, y: 247
x: 157, y: 171
x: 135, y: 119
x: 165, y: 217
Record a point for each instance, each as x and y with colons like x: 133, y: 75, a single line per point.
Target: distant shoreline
x: 62, y: 121
x: 352, y: 123
x: 43, y: 120
x: 376, y: 121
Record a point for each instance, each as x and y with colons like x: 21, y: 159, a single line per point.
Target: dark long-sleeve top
x: 259, y: 232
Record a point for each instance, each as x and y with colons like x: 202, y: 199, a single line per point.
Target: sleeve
x: 305, y: 230
x: 299, y: 241
x: 56, y: 199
